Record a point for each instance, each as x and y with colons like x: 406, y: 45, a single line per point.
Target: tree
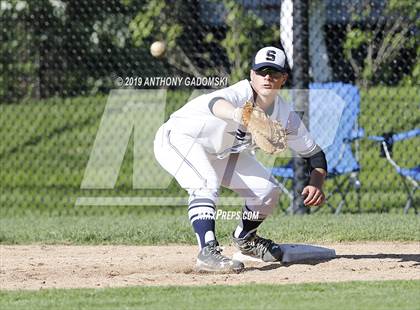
x: 246, y: 32
x: 160, y: 20
x: 379, y: 39
x: 64, y: 47
x: 18, y: 47
x: 176, y: 23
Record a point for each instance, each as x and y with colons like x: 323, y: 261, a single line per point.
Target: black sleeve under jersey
x: 317, y: 160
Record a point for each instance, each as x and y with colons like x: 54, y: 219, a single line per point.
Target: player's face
x: 267, y: 82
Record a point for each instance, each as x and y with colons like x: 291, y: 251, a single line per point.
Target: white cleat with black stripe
x: 210, y: 259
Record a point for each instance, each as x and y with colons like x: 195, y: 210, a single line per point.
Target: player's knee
x: 265, y: 201
x: 271, y: 196
x: 271, y: 199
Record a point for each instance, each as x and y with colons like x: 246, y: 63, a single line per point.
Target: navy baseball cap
x: 270, y: 57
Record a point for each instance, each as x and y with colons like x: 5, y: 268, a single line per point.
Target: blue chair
x: 408, y: 175
x: 333, y: 122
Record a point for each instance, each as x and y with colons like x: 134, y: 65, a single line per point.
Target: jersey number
x: 271, y: 55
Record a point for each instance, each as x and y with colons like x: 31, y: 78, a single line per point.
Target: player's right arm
x: 226, y: 103
x: 222, y: 108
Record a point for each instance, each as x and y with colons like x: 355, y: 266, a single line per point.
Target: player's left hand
x: 313, y: 196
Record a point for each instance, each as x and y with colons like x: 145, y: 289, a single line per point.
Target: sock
x: 246, y: 225
x: 202, y: 218
x: 204, y: 230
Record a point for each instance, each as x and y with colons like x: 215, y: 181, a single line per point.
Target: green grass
x: 351, y: 295
x: 172, y: 227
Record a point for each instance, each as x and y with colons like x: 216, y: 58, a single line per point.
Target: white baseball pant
x: 202, y: 174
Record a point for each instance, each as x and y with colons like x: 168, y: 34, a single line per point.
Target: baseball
x: 157, y: 49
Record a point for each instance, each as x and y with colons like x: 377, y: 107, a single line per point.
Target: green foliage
x: 414, y: 78
x: 158, y: 20
x: 17, y: 74
x: 68, y: 48
x: 407, y: 8
x: 63, y: 48
x: 355, y: 39
x: 381, y: 40
x: 237, y: 43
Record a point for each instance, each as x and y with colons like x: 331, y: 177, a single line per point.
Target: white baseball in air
x: 157, y: 48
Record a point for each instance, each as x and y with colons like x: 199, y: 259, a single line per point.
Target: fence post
x: 300, y: 79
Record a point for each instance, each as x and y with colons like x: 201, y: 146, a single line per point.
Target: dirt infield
x: 38, y: 266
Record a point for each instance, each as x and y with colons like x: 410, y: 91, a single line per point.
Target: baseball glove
x: 268, y: 135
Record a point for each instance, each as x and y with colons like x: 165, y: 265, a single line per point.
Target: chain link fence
x: 64, y: 62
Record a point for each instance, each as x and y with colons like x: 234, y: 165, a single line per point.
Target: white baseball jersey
x: 217, y: 135
x: 190, y: 144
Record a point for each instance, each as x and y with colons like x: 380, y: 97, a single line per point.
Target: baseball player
x: 210, y: 142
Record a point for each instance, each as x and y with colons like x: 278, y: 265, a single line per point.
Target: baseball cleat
x: 259, y: 248
x: 210, y: 259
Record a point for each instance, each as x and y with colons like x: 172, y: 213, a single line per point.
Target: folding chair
x: 408, y: 175
x: 333, y: 123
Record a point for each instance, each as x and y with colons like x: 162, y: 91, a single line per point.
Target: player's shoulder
x: 242, y: 86
x: 240, y: 91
